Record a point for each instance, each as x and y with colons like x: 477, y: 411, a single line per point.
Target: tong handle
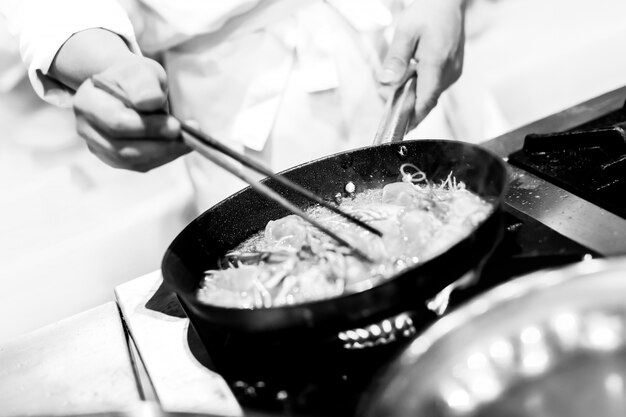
x: 399, y: 110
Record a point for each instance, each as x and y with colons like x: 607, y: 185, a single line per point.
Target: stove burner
x: 589, y: 161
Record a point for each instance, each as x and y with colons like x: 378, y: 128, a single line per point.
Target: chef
x: 284, y: 81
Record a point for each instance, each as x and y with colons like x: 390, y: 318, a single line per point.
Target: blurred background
x: 72, y: 228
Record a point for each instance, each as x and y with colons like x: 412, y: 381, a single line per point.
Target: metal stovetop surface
x: 564, y: 212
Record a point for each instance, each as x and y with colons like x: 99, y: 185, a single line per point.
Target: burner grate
x: 589, y: 161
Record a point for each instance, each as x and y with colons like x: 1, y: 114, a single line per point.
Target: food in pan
x: 292, y: 262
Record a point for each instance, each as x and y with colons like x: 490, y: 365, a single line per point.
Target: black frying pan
x: 204, y: 241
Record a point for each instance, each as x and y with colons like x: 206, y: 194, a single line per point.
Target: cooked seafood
x: 292, y: 262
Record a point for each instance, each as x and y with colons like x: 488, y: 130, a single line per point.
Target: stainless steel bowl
x: 551, y: 343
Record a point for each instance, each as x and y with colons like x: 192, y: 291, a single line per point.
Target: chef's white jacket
x: 286, y: 81
x: 290, y: 80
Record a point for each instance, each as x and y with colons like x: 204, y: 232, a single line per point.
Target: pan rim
x: 203, y: 308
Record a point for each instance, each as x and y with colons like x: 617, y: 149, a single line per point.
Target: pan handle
x: 398, y: 110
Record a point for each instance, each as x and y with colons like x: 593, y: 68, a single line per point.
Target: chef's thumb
x: 392, y: 71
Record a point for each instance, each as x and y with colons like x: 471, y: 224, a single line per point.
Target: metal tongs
x: 206, y: 145
x: 399, y: 109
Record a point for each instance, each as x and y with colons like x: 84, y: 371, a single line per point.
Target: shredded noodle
x: 293, y: 262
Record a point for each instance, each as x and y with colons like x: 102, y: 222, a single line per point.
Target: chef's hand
x: 120, y: 136
x: 432, y: 33
x: 123, y: 137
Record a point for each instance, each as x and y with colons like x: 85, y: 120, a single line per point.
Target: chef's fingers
x: 111, y: 117
x: 428, y: 89
x: 439, y: 57
x: 120, y: 136
x: 432, y: 79
x: 132, y: 154
x: 401, y: 50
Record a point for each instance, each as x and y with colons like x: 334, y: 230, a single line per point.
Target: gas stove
x: 558, y: 211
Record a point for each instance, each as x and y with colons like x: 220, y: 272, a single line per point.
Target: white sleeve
x: 43, y: 26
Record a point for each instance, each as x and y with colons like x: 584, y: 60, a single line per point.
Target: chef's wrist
x: 87, y: 53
